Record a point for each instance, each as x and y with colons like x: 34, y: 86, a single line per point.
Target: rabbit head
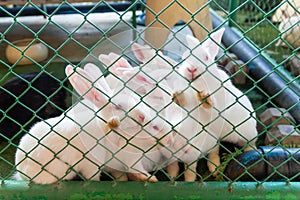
x: 159, y: 96
x: 91, y: 84
x: 146, y: 54
x: 200, y: 57
x: 137, y: 81
x: 113, y: 61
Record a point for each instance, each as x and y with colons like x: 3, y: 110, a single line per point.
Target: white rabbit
x: 136, y: 150
x: 154, y: 63
x: 211, y: 80
x: 141, y: 153
x: 156, y: 66
x: 145, y: 55
x: 190, y: 140
x: 117, y: 66
x: 75, y: 141
x: 231, y: 111
x: 53, y: 149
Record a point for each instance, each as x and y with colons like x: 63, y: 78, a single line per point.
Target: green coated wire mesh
x: 149, y: 121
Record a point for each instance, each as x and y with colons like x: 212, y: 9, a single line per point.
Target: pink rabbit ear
x: 138, y: 77
x: 93, y: 71
x: 105, y: 59
x: 81, y: 82
x: 118, y: 62
x: 212, y: 44
x: 97, y: 77
x: 143, y: 53
x: 144, y: 80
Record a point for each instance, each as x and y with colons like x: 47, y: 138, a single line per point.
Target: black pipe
x: 283, y: 94
x: 65, y: 9
x: 265, y: 164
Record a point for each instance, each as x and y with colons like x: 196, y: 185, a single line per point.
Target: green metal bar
x: 233, y: 4
x: 134, y: 24
x: 162, y: 190
x: 133, y: 13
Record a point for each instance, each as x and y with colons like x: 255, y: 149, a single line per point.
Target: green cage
x: 75, y: 75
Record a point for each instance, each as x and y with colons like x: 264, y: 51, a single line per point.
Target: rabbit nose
x: 192, y: 70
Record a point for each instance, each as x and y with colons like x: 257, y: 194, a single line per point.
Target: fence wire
x: 102, y: 104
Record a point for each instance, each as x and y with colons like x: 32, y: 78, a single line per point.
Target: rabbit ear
x: 118, y: 62
x: 93, y: 71
x: 113, y: 57
x: 212, y: 44
x: 192, y: 41
x: 143, y: 53
x: 81, y: 82
x: 105, y: 59
x: 97, y: 77
x: 138, y: 77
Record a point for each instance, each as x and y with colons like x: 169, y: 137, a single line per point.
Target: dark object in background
x: 286, y: 135
x: 294, y: 64
x: 267, y: 163
x: 22, y: 97
x: 272, y: 117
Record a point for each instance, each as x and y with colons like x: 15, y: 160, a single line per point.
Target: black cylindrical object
x: 265, y: 163
x: 29, y: 98
x: 261, y: 70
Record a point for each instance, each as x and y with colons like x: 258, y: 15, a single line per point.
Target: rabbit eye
x: 118, y: 107
x: 155, y: 128
x: 206, y: 57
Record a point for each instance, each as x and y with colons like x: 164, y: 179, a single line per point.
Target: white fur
x: 44, y: 156
x: 142, y: 154
x: 186, y: 128
x: 197, y: 129
x: 135, y: 150
x: 232, y: 114
x: 222, y: 118
x: 58, y: 148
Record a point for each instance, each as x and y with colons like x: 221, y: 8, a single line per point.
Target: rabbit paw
x: 142, y: 177
x: 119, y: 176
x: 179, y: 98
x: 204, y: 98
x: 190, y: 172
x: 113, y: 122
x: 173, y: 169
x: 249, y: 148
x: 214, y: 161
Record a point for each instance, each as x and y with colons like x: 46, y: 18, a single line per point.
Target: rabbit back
x: 54, y: 151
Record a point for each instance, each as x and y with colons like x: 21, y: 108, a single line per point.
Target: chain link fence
x: 121, y: 91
